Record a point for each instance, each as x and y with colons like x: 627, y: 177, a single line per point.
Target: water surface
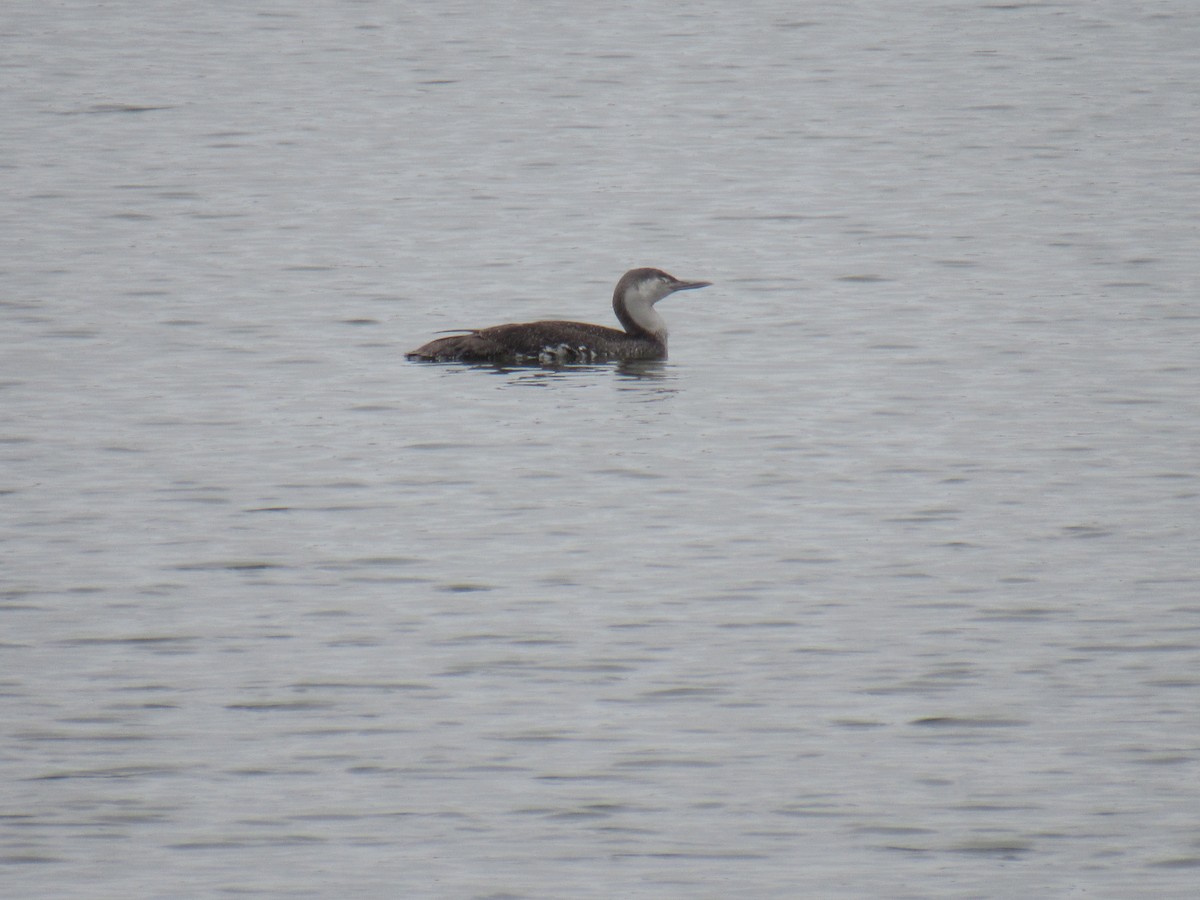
x: 883, y: 585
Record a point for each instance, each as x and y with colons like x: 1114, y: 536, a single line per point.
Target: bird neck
x: 636, y: 312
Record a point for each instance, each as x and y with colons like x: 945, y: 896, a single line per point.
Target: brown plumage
x: 557, y: 342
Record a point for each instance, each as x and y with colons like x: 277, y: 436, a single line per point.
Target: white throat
x: 639, y: 303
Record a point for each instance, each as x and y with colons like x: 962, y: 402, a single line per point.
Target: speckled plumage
x: 559, y: 343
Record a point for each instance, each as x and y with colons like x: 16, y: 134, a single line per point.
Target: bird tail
x: 456, y: 348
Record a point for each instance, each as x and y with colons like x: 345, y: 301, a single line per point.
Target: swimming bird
x: 556, y: 343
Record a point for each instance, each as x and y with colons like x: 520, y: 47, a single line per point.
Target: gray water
x: 885, y: 585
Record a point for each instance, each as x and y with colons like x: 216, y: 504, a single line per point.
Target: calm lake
x: 885, y: 584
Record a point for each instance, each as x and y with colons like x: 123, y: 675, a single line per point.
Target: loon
x: 556, y: 343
